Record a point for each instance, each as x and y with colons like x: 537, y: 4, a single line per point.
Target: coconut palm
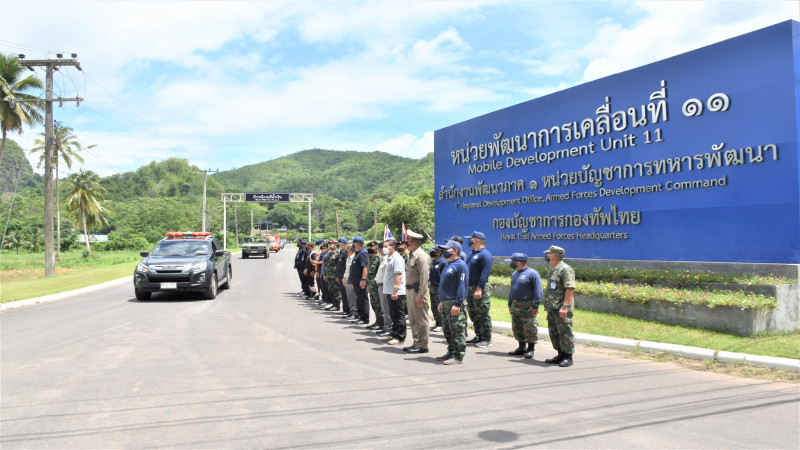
x: 83, y: 201
x: 65, y: 147
x: 12, y: 84
x: 16, y: 241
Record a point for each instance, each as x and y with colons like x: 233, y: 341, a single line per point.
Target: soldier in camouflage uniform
x: 372, y: 285
x: 334, y: 292
x: 558, y: 301
x: 523, y: 304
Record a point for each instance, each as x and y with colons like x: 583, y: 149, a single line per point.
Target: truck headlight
x: 200, y: 267
x: 142, y: 268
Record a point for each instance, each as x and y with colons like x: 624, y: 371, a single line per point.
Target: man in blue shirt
x: 523, y: 304
x: 452, y: 291
x: 437, y: 265
x: 300, y: 266
x: 479, y: 295
x: 358, y: 278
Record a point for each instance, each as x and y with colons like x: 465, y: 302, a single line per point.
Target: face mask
x: 385, y: 250
x: 447, y: 255
x: 513, y: 265
x: 469, y: 242
x: 546, y: 258
x: 371, y: 251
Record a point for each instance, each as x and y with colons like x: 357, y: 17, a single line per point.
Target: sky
x: 233, y: 83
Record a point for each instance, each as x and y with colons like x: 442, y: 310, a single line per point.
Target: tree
x: 65, y: 147
x: 12, y: 87
x: 416, y: 212
x: 16, y: 241
x: 83, y: 201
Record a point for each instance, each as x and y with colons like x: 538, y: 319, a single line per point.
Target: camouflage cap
x: 556, y: 250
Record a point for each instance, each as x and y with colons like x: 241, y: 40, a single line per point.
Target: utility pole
x: 375, y: 222
x: 337, y: 224
x: 205, y: 180
x: 251, y: 222
x: 50, y: 66
x: 236, y: 223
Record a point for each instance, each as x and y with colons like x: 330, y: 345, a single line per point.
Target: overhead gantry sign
x: 262, y: 197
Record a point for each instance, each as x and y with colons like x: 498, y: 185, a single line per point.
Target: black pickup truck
x: 184, y: 261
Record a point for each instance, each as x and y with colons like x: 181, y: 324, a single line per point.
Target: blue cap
x: 477, y: 235
x: 358, y: 240
x: 319, y: 241
x: 343, y: 240
x: 302, y: 242
x: 518, y: 257
x: 453, y: 244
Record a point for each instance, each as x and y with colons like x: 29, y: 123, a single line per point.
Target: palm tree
x: 16, y: 241
x: 12, y: 85
x: 36, y: 242
x: 65, y: 147
x: 83, y: 200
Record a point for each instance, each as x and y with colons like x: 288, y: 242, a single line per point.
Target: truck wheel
x: 227, y: 283
x: 211, y: 291
x: 244, y: 255
x: 141, y: 295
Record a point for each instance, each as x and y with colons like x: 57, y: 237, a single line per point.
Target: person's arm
x: 398, y: 278
x: 538, y: 292
x: 425, y: 272
x: 567, y: 301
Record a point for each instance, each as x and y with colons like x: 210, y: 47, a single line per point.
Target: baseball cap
x: 358, y: 240
x: 343, y: 240
x: 518, y: 257
x: 453, y: 244
x: 554, y: 249
x: 477, y: 235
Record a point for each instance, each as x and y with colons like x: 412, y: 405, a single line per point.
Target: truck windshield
x: 180, y: 248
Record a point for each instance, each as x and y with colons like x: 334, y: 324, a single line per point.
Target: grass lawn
x: 785, y: 344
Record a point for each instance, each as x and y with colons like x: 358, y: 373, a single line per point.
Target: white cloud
x: 671, y: 28
x: 407, y: 145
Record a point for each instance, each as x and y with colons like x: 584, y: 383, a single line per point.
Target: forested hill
x: 344, y: 175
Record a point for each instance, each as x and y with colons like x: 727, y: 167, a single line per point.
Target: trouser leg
x: 387, y: 314
x: 418, y: 318
x: 398, y: 317
x: 453, y: 327
x: 362, y: 302
x: 345, y: 300
x: 434, y: 294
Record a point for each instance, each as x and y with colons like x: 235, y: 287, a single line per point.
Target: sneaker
x: 387, y: 337
x: 437, y: 328
x: 451, y: 361
x: 444, y: 357
x: 483, y: 344
x: 396, y: 341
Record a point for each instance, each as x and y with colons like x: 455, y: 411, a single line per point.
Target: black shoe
x: 555, y: 360
x: 408, y: 349
x: 417, y: 350
x: 351, y: 316
x: 519, y: 351
x: 373, y: 326
x: 331, y: 308
x: 361, y: 322
x: 444, y: 357
x: 474, y: 340
x: 383, y: 333
x: 566, y: 361
x: 529, y: 351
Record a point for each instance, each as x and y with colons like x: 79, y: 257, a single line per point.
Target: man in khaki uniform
x: 417, y: 273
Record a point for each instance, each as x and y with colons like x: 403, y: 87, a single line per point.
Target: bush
x: 117, y: 241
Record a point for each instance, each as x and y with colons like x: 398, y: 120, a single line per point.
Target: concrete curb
x: 682, y: 351
x: 63, y: 295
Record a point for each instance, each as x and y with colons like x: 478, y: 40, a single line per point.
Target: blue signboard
x: 266, y: 197
x: 693, y: 158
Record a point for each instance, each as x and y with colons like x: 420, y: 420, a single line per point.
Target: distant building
x: 92, y: 238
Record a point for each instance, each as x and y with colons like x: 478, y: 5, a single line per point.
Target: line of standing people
x: 397, y: 283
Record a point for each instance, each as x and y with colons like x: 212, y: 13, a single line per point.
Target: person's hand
x: 325, y: 278
x: 563, y: 312
x: 455, y: 310
x: 305, y: 272
x: 420, y: 301
x: 478, y: 293
x: 439, y: 307
x: 362, y: 283
x: 394, y: 296
x: 534, y: 311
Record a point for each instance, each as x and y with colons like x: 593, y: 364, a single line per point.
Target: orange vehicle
x: 274, y: 242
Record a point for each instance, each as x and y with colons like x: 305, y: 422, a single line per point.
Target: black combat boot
x: 529, y: 351
x: 566, y: 361
x: 519, y: 351
x: 555, y: 360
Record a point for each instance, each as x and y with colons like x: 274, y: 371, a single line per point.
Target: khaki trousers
x: 418, y: 319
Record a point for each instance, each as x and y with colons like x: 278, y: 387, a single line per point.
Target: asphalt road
x: 258, y: 367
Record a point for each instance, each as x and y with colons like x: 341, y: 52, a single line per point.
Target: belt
x: 414, y: 287
x: 521, y: 299
x: 446, y: 299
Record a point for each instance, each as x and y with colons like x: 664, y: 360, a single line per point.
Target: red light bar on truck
x: 187, y: 233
